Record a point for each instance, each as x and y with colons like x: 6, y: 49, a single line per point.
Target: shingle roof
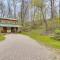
x: 7, y: 18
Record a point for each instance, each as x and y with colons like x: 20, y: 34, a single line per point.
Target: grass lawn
x: 2, y: 37
x: 43, y: 39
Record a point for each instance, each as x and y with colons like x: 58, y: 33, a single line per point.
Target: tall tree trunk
x: 14, y: 5
x: 22, y: 13
x: 9, y: 9
x: 53, y: 14
x: 52, y: 9
x: 44, y: 18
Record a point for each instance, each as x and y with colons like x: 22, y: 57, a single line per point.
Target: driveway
x: 21, y: 47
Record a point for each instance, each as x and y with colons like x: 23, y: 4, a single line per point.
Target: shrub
x: 2, y: 37
x: 57, y: 34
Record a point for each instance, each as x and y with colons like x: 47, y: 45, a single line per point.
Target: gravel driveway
x: 21, y: 47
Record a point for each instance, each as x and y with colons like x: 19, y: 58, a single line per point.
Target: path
x: 21, y: 47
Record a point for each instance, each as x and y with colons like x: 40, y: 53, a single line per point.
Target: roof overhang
x: 8, y: 19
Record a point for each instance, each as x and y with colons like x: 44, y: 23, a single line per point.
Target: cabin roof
x: 8, y: 19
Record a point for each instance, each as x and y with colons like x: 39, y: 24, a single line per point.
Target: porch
x: 7, y: 28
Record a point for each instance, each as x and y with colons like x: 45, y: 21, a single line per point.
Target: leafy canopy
x: 38, y: 3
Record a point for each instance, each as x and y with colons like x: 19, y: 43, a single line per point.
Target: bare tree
x: 14, y: 6
x: 24, y: 10
x: 9, y: 9
x: 2, y: 8
x: 41, y: 6
x: 52, y: 8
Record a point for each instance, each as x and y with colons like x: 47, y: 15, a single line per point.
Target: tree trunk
x: 44, y: 18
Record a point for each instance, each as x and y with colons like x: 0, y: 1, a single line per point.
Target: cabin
x: 8, y: 25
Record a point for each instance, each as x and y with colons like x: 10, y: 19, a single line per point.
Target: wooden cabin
x: 8, y: 25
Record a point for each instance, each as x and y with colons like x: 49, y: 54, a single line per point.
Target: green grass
x: 2, y: 37
x: 43, y: 39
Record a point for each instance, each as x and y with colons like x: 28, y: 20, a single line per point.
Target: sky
x: 18, y: 8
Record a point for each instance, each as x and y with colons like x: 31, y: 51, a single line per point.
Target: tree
x: 41, y: 6
x: 14, y: 6
x: 24, y: 10
x: 9, y: 9
x: 53, y: 13
x: 53, y: 8
x: 2, y: 8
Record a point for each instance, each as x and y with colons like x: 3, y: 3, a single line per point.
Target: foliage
x: 38, y: 3
x: 57, y: 34
x: 2, y: 37
x: 57, y: 31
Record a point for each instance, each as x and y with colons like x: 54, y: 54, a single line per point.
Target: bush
x: 2, y: 37
x: 57, y: 34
